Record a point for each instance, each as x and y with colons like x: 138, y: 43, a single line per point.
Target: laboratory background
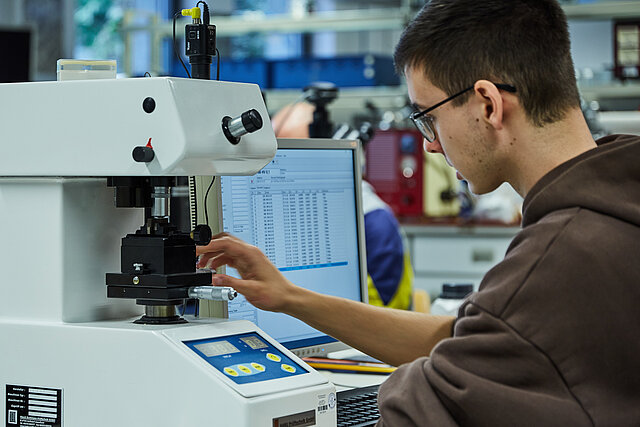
x: 325, y: 78
x: 286, y: 45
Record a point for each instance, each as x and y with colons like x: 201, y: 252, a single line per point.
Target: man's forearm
x: 393, y: 336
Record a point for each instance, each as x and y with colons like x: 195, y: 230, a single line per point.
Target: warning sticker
x: 29, y: 406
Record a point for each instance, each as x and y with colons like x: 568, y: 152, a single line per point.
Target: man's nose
x: 432, y: 147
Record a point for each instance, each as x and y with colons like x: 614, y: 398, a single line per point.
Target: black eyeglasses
x: 424, y: 123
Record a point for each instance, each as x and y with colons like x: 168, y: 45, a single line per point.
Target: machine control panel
x: 245, y: 358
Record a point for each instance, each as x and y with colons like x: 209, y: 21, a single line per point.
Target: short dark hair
x: 524, y: 43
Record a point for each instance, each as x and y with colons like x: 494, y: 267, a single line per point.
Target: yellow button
x: 273, y: 357
x: 231, y: 372
x: 288, y: 368
x: 258, y: 367
x: 244, y: 369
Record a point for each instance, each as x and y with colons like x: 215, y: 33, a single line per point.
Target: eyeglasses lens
x: 423, y: 124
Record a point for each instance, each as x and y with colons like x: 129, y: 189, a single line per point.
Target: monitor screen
x: 301, y: 211
x: 15, y: 51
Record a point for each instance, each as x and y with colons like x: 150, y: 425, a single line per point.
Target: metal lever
x: 213, y: 293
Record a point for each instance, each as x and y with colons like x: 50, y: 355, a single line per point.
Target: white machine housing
x: 58, y: 143
x: 90, y: 128
x: 122, y: 374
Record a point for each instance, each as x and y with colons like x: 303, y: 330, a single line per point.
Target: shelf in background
x: 392, y: 18
x: 613, y: 90
x: 375, y: 19
x: 349, y: 99
x: 257, y: 22
x: 603, y: 10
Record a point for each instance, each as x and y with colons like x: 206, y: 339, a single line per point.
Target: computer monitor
x: 304, y: 211
x: 17, y: 54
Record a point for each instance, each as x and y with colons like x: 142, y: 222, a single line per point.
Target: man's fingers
x: 209, y: 247
x: 224, y: 280
x: 223, y: 243
x: 202, y: 249
x: 220, y: 260
x: 218, y: 235
x: 207, y: 259
x: 204, y: 260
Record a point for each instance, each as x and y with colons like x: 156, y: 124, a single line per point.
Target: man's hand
x: 262, y: 284
x: 393, y: 336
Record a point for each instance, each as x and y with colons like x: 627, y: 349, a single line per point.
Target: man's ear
x: 491, y: 103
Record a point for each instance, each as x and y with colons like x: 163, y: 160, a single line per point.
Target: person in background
x: 390, y: 274
x: 551, y: 336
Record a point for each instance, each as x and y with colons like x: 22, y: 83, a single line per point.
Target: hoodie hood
x: 605, y: 180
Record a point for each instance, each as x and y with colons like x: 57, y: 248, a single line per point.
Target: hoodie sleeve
x: 487, y: 375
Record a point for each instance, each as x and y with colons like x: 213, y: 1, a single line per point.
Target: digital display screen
x: 217, y: 348
x: 254, y: 342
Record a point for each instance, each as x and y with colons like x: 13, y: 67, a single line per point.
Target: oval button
x: 288, y: 368
x: 244, y: 369
x: 273, y: 357
x: 231, y: 372
x: 258, y: 367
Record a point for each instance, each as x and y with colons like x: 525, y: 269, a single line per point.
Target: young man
x: 551, y: 338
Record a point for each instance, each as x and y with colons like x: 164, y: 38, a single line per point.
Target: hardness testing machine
x: 93, y: 266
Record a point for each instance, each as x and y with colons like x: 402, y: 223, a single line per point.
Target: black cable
x: 175, y: 49
x: 205, y: 21
x: 184, y: 307
x: 205, y: 15
x: 217, y: 64
x: 206, y: 195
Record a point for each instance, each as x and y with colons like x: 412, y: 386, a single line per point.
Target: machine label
x: 322, y: 404
x: 326, y: 403
x: 301, y: 419
x: 29, y: 406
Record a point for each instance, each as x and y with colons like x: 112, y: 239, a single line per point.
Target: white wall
x: 12, y: 12
x: 592, y: 46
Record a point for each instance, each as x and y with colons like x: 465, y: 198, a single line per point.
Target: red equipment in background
x: 395, y: 163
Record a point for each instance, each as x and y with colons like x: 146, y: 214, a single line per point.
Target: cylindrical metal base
x: 160, y: 315
x: 160, y: 310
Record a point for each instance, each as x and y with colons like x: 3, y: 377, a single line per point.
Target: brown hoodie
x: 553, y: 335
